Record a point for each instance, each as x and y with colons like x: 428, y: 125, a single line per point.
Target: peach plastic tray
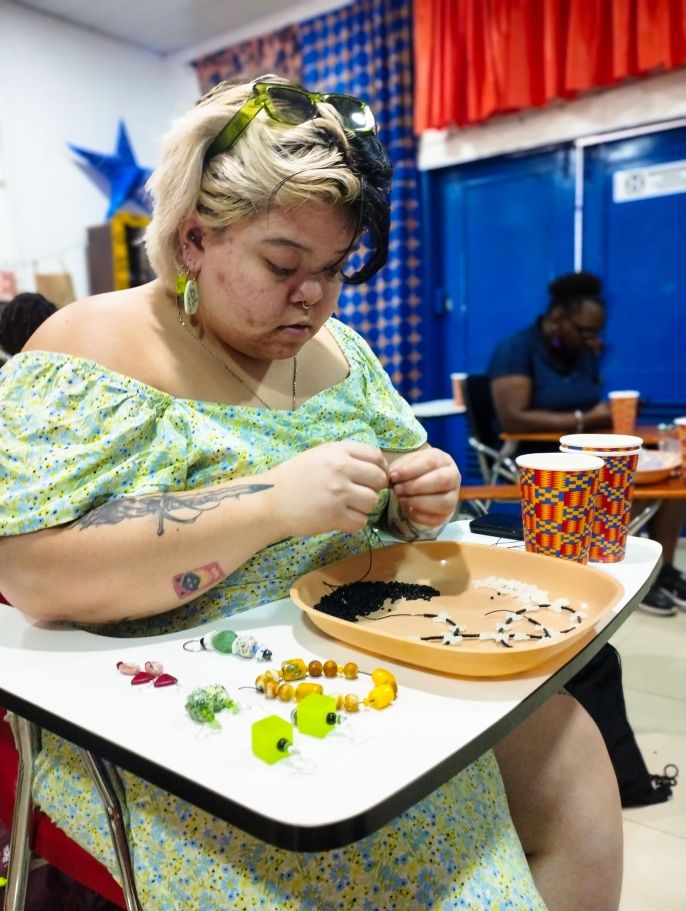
x: 655, y: 466
x: 453, y: 568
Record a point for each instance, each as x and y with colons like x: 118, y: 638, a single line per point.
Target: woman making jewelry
x: 218, y: 426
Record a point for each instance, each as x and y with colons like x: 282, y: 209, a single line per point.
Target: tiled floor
x: 653, y: 651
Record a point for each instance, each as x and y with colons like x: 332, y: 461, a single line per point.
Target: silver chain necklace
x: 231, y: 372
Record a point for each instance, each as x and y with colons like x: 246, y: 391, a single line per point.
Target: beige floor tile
x: 653, y: 870
x: 653, y: 652
x: 669, y: 817
x: 651, y: 714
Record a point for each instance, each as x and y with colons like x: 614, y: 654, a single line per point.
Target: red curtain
x: 476, y: 58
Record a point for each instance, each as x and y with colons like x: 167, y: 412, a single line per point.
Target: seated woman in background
x: 284, y: 443
x: 20, y: 317
x: 547, y: 377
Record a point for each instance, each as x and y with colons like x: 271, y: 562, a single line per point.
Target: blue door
x: 634, y: 237
x: 498, y: 231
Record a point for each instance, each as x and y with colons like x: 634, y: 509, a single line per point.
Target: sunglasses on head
x: 291, y: 105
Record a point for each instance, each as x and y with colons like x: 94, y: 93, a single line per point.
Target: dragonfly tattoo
x: 182, y: 508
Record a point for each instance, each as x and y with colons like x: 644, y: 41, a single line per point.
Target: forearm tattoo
x: 197, y: 580
x: 182, y: 508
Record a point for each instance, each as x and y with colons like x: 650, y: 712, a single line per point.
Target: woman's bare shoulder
x: 110, y: 329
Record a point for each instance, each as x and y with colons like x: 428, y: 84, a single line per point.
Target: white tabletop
x: 347, y: 785
x: 437, y: 408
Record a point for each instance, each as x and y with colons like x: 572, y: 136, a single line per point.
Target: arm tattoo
x: 182, y: 508
x: 194, y: 581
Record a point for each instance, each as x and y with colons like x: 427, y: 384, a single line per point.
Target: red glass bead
x: 165, y: 680
x: 141, y: 677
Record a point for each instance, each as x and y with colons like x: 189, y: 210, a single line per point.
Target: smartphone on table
x: 499, y: 525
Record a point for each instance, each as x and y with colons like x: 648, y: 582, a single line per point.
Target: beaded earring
x: 278, y: 684
x: 152, y: 671
x: 205, y: 702
x: 229, y: 642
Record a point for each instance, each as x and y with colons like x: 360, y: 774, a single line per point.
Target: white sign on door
x: 642, y: 183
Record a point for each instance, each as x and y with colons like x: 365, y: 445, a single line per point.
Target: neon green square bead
x: 271, y: 738
x: 316, y: 715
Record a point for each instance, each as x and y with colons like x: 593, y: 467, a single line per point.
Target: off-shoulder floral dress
x: 74, y: 435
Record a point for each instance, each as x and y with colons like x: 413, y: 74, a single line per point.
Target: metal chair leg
x: 98, y: 771
x: 643, y: 517
x: 20, y: 838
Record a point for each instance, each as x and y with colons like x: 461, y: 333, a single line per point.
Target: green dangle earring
x: 187, y: 288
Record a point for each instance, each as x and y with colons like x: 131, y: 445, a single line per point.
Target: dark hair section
x: 367, y: 158
x: 370, y: 161
x: 20, y: 318
x: 574, y: 289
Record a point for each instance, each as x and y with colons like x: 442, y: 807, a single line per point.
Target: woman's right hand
x: 332, y: 487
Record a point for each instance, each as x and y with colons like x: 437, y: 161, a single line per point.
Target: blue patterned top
x: 76, y: 434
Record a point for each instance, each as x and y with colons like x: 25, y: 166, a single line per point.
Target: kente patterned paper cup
x: 593, y: 442
x: 558, y: 492
x: 612, y: 504
x: 680, y: 424
x: 456, y: 381
x: 624, y: 408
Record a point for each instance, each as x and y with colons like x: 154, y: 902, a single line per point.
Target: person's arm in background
x: 512, y: 402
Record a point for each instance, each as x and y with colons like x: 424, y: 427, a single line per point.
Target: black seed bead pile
x: 357, y: 599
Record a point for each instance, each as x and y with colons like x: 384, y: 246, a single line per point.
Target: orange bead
x: 271, y: 689
x: 381, y: 675
x: 350, y: 670
x: 314, y: 668
x: 380, y: 696
x: 330, y: 668
x: 304, y: 689
x: 351, y: 703
x: 286, y: 692
x: 294, y: 669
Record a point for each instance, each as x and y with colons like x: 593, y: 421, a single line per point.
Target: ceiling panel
x: 160, y: 26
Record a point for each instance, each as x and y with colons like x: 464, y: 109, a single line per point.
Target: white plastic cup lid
x: 603, y: 453
x: 559, y: 461
x: 623, y: 394
x: 609, y: 441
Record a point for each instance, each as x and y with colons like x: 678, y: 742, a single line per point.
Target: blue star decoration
x: 124, y: 175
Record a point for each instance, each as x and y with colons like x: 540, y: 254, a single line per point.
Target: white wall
x: 657, y: 98
x: 61, y: 84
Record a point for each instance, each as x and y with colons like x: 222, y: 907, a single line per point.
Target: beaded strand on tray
x: 279, y: 683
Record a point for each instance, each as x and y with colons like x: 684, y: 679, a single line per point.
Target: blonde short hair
x: 269, y: 164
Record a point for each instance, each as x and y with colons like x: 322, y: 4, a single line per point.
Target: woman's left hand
x: 426, y: 484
